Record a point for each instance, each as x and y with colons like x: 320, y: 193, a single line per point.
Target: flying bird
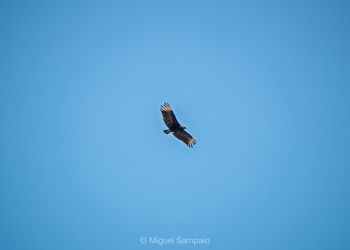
x: 174, y: 126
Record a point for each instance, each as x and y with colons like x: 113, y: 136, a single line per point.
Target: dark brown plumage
x: 174, y: 126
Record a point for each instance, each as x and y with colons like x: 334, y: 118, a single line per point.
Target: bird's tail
x: 167, y: 131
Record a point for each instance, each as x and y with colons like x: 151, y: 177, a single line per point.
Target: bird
x: 175, y: 127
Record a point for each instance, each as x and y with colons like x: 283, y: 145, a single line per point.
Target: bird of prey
x: 174, y: 126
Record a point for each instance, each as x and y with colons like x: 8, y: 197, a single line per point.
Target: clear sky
x: 262, y: 85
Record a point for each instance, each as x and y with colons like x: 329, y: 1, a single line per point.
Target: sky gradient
x: 262, y: 85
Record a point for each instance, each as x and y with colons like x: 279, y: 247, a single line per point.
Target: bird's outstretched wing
x: 185, y: 137
x: 168, y: 115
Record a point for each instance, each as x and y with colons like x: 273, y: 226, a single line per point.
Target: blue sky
x: 262, y: 85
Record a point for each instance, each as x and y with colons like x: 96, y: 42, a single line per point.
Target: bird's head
x: 183, y: 127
